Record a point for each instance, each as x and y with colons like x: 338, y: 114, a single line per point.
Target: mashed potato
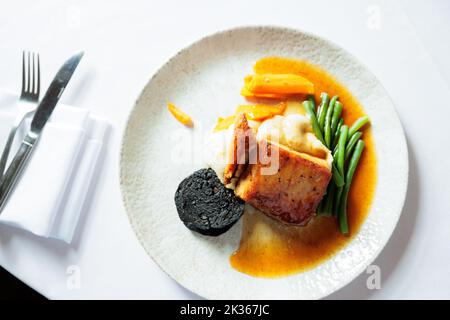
x: 293, y: 131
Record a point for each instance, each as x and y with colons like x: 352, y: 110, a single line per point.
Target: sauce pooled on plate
x: 271, y: 249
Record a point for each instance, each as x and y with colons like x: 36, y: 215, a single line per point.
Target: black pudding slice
x: 205, y: 205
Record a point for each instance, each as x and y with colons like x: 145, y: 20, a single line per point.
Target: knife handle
x: 15, y: 169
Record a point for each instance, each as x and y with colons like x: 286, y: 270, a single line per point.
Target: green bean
x: 341, y: 149
x: 312, y: 116
x: 335, y: 120
x: 334, y: 99
x: 352, y: 165
x: 313, y: 101
x: 328, y: 207
x: 338, y: 178
x: 358, y: 124
x: 337, y: 200
x: 343, y: 223
x: 338, y: 130
x: 352, y: 143
x: 339, y: 159
x: 323, y: 110
x: 323, y: 99
x: 327, y: 126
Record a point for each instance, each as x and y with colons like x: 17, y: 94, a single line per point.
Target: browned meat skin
x: 292, y: 194
x: 238, y: 158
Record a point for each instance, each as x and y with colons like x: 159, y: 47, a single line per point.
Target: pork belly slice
x: 243, y: 142
x: 290, y: 195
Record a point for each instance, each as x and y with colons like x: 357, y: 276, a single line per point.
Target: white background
x: 404, y: 43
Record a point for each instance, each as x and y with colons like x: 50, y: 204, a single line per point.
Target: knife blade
x: 41, y: 116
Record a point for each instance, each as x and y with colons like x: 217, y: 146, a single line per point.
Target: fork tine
x: 38, y: 82
x: 34, y: 76
x: 29, y: 73
x: 23, y: 71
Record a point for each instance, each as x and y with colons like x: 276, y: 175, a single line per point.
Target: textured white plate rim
x: 401, y: 197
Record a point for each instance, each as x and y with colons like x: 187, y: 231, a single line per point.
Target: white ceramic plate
x: 157, y: 153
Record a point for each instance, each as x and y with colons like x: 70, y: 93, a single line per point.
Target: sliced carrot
x: 224, y: 123
x: 261, y: 111
x: 281, y: 84
x: 246, y: 93
x: 180, y: 115
x: 279, y: 65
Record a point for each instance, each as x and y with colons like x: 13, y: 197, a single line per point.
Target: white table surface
x: 125, y: 42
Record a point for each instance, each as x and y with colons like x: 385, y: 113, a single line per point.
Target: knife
x: 41, y: 116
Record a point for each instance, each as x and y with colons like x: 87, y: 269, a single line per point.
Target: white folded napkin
x: 48, y: 199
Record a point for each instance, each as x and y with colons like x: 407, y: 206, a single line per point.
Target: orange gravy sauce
x: 270, y: 249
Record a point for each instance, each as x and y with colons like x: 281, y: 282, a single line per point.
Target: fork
x: 29, y: 97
